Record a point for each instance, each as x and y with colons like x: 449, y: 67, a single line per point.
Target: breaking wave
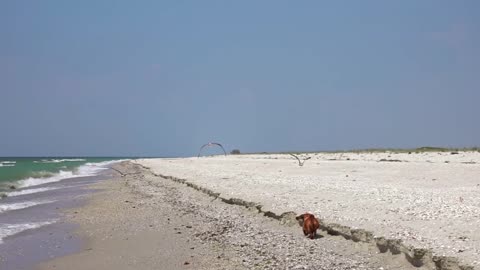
x: 11, y: 229
x: 88, y: 169
x: 30, y: 191
x: 60, y: 160
x: 7, y: 163
x: 21, y: 205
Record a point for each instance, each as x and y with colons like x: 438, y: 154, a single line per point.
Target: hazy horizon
x: 215, y: 151
x: 114, y: 78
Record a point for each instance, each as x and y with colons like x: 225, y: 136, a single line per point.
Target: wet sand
x: 23, y: 250
x: 126, y: 227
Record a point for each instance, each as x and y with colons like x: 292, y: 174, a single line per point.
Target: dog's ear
x: 300, y: 220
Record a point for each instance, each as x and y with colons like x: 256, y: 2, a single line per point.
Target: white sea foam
x: 94, y: 168
x: 88, y: 169
x: 8, y: 162
x: 21, y: 205
x: 30, y: 191
x: 59, y: 160
x: 31, y: 181
x: 11, y: 229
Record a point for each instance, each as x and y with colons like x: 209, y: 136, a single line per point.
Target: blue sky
x: 163, y: 77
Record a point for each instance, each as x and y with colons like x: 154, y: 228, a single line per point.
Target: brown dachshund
x: 309, y: 223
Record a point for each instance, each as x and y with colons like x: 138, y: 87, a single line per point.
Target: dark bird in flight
x: 210, y: 144
x: 300, y: 162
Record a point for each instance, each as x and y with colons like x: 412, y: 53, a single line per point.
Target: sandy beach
x: 422, y: 206
x: 377, y: 211
x: 216, y: 135
x: 144, y: 221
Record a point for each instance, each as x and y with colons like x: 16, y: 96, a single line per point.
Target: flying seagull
x: 300, y: 162
x: 210, y: 144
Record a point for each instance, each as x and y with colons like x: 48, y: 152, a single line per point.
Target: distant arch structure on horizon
x: 211, y: 144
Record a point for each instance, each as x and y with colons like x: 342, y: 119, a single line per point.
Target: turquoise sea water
x: 33, y: 191
x: 28, y: 171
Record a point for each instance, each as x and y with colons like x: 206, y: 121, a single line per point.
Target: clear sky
x: 163, y: 77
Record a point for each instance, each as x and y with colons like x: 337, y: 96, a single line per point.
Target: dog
x: 309, y: 223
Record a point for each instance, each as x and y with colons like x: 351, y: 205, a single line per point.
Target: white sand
x: 428, y: 200
x: 141, y: 221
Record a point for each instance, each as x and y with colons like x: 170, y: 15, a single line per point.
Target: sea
x: 33, y: 194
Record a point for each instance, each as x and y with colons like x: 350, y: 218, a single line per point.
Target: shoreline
x: 142, y: 221
x: 123, y: 228
x: 46, y: 234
